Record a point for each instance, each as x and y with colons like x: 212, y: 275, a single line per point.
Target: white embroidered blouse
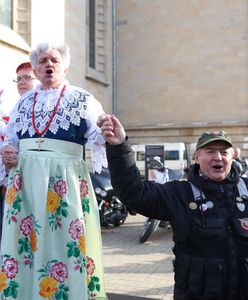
x: 74, y: 120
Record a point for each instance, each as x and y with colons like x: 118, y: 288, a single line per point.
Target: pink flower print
x: 59, y: 272
x: 26, y: 226
x: 60, y: 187
x: 27, y: 260
x: 90, y: 266
x: 10, y: 268
x: 83, y: 187
x: 77, y: 266
x: 17, y: 182
x: 14, y: 218
x: 76, y: 229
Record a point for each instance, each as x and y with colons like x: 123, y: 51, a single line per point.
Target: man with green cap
x: 208, y: 213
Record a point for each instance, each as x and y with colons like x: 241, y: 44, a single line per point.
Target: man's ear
x: 196, y: 157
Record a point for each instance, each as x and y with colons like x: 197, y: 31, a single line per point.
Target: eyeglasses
x: 24, y: 77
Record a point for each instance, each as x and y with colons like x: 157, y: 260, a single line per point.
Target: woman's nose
x: 49, y: 62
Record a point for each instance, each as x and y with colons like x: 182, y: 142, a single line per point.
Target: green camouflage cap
x: 209, y: 137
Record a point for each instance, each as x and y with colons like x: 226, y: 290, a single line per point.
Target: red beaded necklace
x: 40, y: 133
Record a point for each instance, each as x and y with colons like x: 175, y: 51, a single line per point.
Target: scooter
x: 111, y: 210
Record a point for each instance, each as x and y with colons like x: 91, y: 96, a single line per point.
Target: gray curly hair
x: 63, y: 49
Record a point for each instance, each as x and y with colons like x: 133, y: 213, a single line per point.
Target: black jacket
x: 210, y: 234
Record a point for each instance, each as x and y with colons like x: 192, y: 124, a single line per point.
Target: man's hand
x: 9, y: 156
x: 112, y: 130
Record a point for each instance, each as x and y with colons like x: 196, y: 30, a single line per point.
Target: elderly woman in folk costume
x: 51, y: 245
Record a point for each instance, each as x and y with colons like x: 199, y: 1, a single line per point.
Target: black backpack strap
x: 198, y: 194
x: 242, y: 188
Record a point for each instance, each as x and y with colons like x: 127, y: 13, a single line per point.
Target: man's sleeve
x: 145, y: 197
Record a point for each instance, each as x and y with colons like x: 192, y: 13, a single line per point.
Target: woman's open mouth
x: 49, y: 71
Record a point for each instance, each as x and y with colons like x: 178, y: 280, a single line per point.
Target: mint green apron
x: 51, y: 244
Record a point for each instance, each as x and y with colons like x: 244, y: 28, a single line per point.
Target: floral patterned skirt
x: 51, y: 244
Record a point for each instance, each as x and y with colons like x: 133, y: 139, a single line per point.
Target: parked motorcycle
x: 150, y: 226
x: 112, y: 211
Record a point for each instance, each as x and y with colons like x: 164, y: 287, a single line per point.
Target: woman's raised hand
x: 112, y: 130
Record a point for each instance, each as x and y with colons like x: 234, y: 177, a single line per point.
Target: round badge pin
x: 203, y: 207
x: 210, y: 204
x: 192, y: 205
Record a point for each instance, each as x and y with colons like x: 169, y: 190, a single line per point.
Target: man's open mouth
x: 217, y: 167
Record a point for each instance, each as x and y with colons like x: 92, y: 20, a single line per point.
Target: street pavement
x: 135, y: 271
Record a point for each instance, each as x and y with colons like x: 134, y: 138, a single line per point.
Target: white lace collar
x: 72, y: 108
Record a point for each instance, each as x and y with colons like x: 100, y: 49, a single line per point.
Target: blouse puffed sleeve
x: 95, y: 140
x: 11, y: 136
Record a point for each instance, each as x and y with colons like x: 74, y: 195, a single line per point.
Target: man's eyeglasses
x: 24, y: 77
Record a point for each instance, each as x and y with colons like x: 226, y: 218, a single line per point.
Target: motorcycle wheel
x: 117, y: 218
x: 124, y: 216
x: 150, y: 224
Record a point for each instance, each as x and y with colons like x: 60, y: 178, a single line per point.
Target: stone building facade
x: 168, y: 69
x: 181, y: 69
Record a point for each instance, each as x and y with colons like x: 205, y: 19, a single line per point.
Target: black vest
x: 212, y: 259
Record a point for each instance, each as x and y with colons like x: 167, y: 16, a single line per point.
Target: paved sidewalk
x: 135, y: 269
